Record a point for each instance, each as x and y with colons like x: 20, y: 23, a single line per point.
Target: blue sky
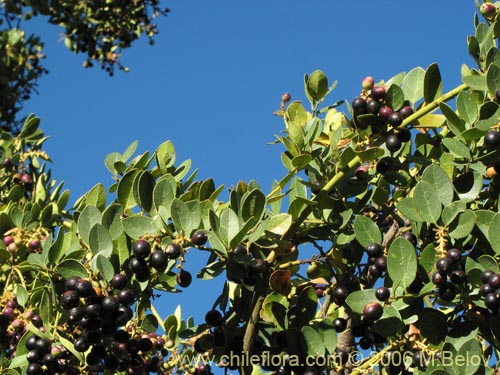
x: 215, y: 76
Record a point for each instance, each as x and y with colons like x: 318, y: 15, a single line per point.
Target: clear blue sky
x: 215, y: 76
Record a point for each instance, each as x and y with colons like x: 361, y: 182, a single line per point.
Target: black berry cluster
x: 377, y: 261
x: 490, y: 290
x: 449, y: 276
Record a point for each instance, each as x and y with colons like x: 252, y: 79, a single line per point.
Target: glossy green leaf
x: 279, y: 224
x: 437, y: 177
x: 165, y: 155
x: 467, y: 107
x: 394, y: 97
x: 468, y: 185
x: 494, y: 233
x: 464, y: 226
x: 296, y: 113
x: 138, y: 226
x: 476, y: 82
x: 164, y: 193
x: 317, y: 85
x: 181, y: 216
x: 100, y: 241
x: 401, y: 262
x: 96, y: 196
x: 456, y: 147
x: 413, y: 85
x: 104, y: 267
x: 455, y: 123
x: 427, y: 202
x: 87, y: 219
x: 451, y: 211
x: 409, y: 209
x: 111, y: 219
x: 252, y: 206
x: 229, y: 225
x: 366, y: 231
x: 144, y: 184
x: 314, y: 345
x: 433, y: 86
x: 125, y: 190
x: 357, y: 300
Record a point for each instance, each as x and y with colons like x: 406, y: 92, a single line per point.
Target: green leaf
x: 433, y: 86
x: 21, y: 295
x: 181, y: 216
x: 366, y: 231
x: 296, y: 113
x: 164, y: 193
x: 111, y: 219
x: 468, y: 185
x: 125, y: 190
x: 433, y: 327
x: 301, y: 161
x: 144, y: 184
x: 31, y: 123
x: 100, y: 241
x: 253, y: 204
x: 394, y: 97
x: 314, y: 345
x: 71, y: 267
x: 455, y: 123
x: 69, y: 345
x: 138, y: 226
x: 87, y: 219
x: 467, y: 107
x: 476, y: 82
x: 437, y: 177
x: 451, y: 211
x: 165, y: 155
x: 494, y: 233
x: 390, y: 324
x: 229, y: 225
x: 279, y: 224
x: 401, y: 262
x: 317, y: 85
x: 357, y: 300
x: 409, y: 209
x: 456, y: 147
x: 466, y: 222
x: 104, y: 267
x: 413, y: 87
x: 427, y: 202
x: 149, y: 323
x: 493, y: 79
x: 19, y: 361
x: 96, y: 196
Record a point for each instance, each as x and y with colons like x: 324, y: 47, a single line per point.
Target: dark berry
x: 373, y: 311
x: 213, y: 318
x: 374, y: 250
x: 122, y: 315
x: 491, y: 301
x: 359, y: 105
x: 70, y: 299
x: 340, y: 324
x: 458, y: 277
x: 378, y: 92
x: 361, y: 173
x: 258, y: 265
x: 410, y: 236
x: 381, y: 263
x: 438, y: 279
x: 31, y: 342
x: 395, y: 119
x: 365, y: 343
x: 406, y: 111
x: 141, y: 248
x: 158, y: 260
x: 384, y: 113
x: 485, y: 289
x: 33, y: 356
x: 173, y: 250
x: 138, y: 265
x: 34, y: 244
x: 109, y: 305
x: 373, y: 271
x: 84, y: 288
x: 382, y: 293
x: 443, y: 265
x: 26, y: 178
x: 393, y: 143
x: 485, y: 276
x: 372, y: 106
x: 448, y: 292
x: 70, y: 283
x: 199, y: 238
x: 385, y: 164
x: 81, y: 344
x: 34, y: 369
x: 42, y: 346
x: 119, y: 281
x: 494, y: 281
x: 184, y: 278
x: 340, y: 295
x: 404, y: 135
x: 126, y: 296
x: 492, y: 139
x: 454, y: 254
x: 320, y: 290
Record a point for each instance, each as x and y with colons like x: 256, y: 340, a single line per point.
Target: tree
x: 100, y: 29
x: 387, y: 216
